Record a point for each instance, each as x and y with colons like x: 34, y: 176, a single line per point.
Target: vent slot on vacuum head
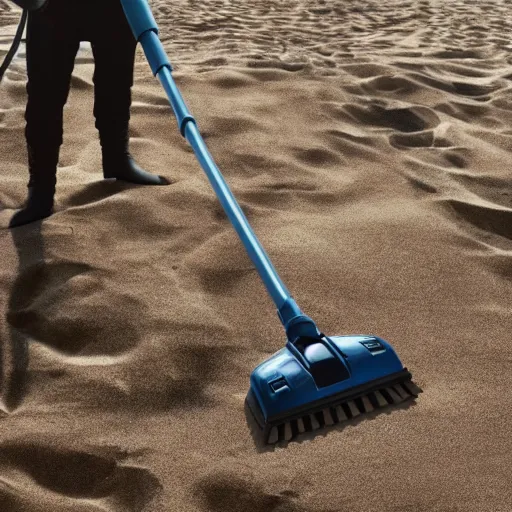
x: 322, y: 363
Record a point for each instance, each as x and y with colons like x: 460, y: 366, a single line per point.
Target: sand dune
x: 369, y: 144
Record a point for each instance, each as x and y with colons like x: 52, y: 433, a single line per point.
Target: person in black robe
x: 54, y: 33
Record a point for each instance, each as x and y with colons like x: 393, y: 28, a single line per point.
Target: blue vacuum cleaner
x: 315, y: 380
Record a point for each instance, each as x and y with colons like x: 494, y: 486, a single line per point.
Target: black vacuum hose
x: 15, y: 44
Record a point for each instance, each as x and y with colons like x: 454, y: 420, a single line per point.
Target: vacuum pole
x: 145, y: 30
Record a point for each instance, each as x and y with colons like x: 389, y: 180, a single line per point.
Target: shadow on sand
x: 29, y: 244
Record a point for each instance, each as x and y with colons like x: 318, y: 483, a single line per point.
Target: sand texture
x: 370, y: 145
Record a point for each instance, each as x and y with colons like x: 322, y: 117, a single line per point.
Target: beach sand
x: 369, y: 144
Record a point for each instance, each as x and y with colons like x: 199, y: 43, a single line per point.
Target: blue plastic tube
x: 145, y: 30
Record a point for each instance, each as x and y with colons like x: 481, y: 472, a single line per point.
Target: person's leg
x: 113, y: 45
x: 52, y: 45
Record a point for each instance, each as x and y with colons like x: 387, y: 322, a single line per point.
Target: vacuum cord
x: 15, y: 44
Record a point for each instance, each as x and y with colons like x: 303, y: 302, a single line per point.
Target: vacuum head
x: 317, y: 382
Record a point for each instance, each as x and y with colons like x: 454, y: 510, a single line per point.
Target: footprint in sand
x: 37, y: 478
x: 62, y: 305
x: 176, y: 375
x: 317, y: 156
x: 228, y: 492
x: 413, y: 126
x: 96, y: 192
x: 86, y: 196
x: 405, y: 120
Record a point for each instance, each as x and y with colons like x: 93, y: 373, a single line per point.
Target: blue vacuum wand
x: 145, y: 29
x: 315, y: 380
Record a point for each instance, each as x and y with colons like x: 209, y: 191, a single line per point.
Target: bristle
x: 401, y: 391
x: 353, y: 408
x: 273, y: 437
x: 394, y: 395
x: 307, y: 423
x: 344, y: 411
x: 288, y: 431
x: 340, y: 413
x: 367, y: 404
x: 380, y: 399
x: 412, y: 388
x: 314, y: 422
x: 328, y: 417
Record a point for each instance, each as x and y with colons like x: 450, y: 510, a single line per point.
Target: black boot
x: 41, y: 187
x: 118, y: 162
x: 39, y: 205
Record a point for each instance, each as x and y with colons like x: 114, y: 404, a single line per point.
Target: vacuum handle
x: 145, y: 30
